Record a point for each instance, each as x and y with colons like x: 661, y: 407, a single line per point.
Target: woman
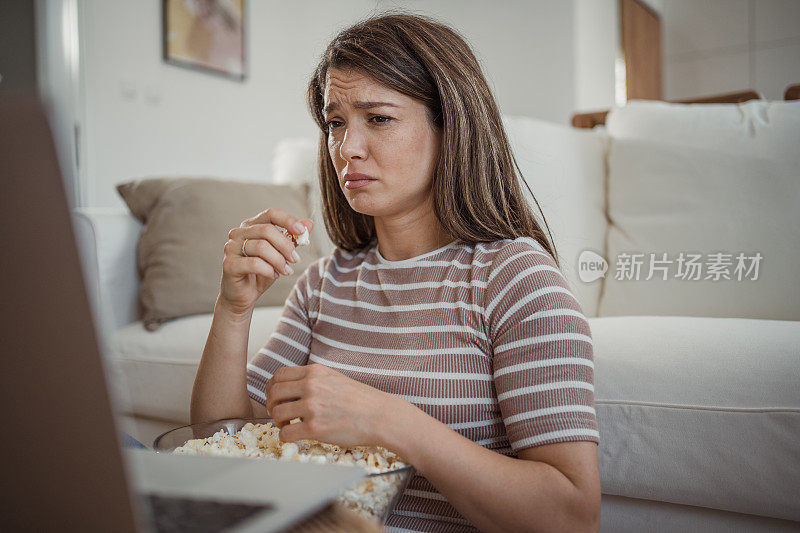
x: 440, y: 327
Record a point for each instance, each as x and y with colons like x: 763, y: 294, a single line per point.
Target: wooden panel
x: 727, y: 98
x: 641, y: 49
x: 792, y: 92
x: 589, y: 120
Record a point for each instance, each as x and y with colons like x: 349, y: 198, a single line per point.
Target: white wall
x: 718, y: 46
x: 543, y: 58
x: 525, y: 47
x: 146, y: 118
x: 597, y: 47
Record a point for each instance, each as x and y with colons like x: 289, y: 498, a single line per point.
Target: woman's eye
x: 382, y: 120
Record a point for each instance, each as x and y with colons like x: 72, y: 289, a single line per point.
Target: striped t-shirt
x: 485, y: 337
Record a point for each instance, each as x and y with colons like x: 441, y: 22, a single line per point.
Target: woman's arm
x: 220, y: 384
x: 556, y: 489
x: 493, y: 491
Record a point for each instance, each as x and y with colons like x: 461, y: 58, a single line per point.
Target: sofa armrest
x: 107, y: 239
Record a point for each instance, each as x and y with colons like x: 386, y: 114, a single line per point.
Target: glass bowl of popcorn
x: 374, y: 497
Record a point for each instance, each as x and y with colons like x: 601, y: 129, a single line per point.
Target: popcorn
x: 298, y: 240
x: 288, y: 451
x: 369, y: 498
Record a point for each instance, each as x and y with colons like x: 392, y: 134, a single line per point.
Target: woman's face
x: 392, y: 142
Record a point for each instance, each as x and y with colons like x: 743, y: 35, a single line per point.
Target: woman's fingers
x: 281, y: 392
x: 272, y: 251
x: 258, y: 251
x: 252, y: 265
x: 283, y: 413
x: 282, y: 376
x: 277, y: 216
x: 267, y: 242
x: 286, y: 373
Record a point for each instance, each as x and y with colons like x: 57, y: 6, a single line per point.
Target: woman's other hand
x: 244, y: 279
x: 333, y: 407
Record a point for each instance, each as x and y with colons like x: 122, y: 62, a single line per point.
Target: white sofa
x: 696, y: 384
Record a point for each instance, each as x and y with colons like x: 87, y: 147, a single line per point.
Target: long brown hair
x: 476, y: 191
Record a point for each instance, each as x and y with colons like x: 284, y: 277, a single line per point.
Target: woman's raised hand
x: 269, y: 251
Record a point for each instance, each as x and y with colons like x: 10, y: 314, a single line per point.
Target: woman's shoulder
x: 521, y: 262
x: 518, y: 252
x: 521, y: 270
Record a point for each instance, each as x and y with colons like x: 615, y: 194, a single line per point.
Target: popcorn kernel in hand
x: 298, y: 240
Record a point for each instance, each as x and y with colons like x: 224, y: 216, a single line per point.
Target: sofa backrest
x: 563, y: 166
x: 714, y: 185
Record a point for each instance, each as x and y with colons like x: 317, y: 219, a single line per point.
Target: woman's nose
x: 353, y: 144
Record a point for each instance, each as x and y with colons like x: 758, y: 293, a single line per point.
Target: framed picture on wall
x: 206, y: 35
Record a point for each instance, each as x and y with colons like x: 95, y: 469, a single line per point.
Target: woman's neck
x: 401, y: 239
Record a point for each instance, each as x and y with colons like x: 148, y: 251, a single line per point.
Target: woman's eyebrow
x: 360, y: 105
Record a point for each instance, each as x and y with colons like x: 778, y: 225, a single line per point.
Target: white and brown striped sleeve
x: 288, y: 345
x: 542, y: 349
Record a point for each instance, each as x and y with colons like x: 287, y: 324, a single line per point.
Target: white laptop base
x: 289, y: 490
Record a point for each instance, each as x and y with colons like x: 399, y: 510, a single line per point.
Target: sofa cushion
x: 718, y: 184
x: 186, y: 223
x: 700, y: 411
x: 155, y: 371
x: 693, y: 411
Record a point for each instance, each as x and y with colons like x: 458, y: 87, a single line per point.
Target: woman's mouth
x: 355, y: 184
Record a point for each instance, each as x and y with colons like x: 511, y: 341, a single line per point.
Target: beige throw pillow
x: 186, y: 223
